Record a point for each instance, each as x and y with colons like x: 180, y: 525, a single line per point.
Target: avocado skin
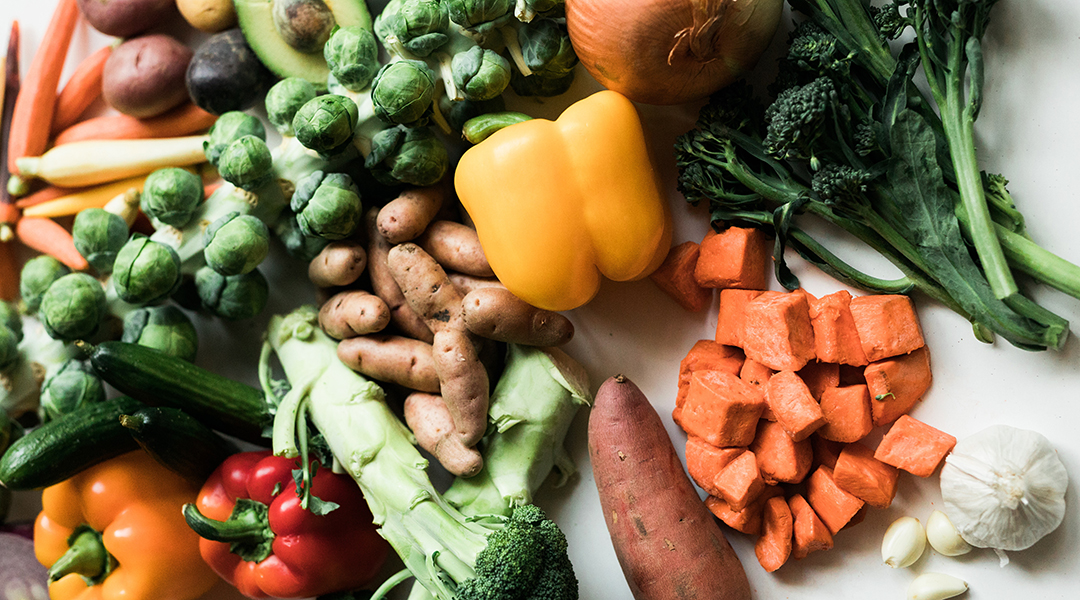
x: 225, y: 74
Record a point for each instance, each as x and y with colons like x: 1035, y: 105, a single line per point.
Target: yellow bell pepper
x: 558, y: 203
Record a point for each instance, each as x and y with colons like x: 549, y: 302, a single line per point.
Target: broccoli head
x: 814, y: 51
x: 798, y: 118
x: 840, y: 184
x: 889, y: 21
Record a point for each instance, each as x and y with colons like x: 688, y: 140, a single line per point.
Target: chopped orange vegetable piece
x: 835, y: 506
x: 825, y: 451
x: 707, y: 355
x: 836, y: 340
x: 914, y: 446
x: 865, y: 477
x: 675, y: 277
x: 757, y: 374
x: 747, y: 520
x: 740, y: 481
x: 737, y: 257
x: 721, y: 409
x: 777, y: 332
x: 780, y: 458
x: 809, y: 533
x: 729, y: 322
x: 887, y: 325
x: 896, y: 384
x: 773, y: 547
x: 705, y: 461
x: 794, y: 407
x: 820, y: 376
x: 847, y: 414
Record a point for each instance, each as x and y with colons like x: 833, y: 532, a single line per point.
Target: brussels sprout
x: 457, y: 112
x: 480, y: 74
x: 236, y: 244
x: 325, y: 124
x: 473, y: 14
x: 284, y: 99
x: 535, y: 85
x: 526, y: 10
x: 9, y: 347
x: 145, y: 271
x: 353, y: 57
x: 73, y: 386
x: 299, y: 245
x: 303, y: 24
x: 403, y: 91
x: 234, y: 297
x: 98, y: 235
x: 164, y: 328
x: 36, y: 276
x: 327, y: 205
x: 229, y: 127
x: 546, y: 48
x: 246, y: 163
x: 419, y: 26
x: 171, y: 196
x: 407, y: 155
x: 73, y: 307
x: 10, y: 318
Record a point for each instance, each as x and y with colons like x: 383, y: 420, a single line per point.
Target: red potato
x: 382, y: 283
x: 392, y: 358
x: 464, y: 382
x: 144, y: 76
x: 353, y: 312
x: 666, y: 540
x: 429, y: 418
x: 125, y: 18
x: 406, y: 217
x: 426, y: 287
x: 497, y: 314
x: 339, y: 264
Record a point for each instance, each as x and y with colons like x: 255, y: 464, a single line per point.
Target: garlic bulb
x: 1004, y: 488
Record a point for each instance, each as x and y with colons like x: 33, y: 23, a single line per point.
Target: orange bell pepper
x: 557, y: 204
x: 116, y: 532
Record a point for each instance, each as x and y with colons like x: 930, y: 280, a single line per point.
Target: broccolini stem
x: 1038, y: 262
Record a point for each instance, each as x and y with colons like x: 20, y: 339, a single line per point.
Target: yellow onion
x: 670, y: 51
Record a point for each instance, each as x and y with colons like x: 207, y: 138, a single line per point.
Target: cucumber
x: 178, y: 441
x: 68, y: 444
x: 159, y: 379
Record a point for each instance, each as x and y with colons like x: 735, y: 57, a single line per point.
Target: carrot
x: 80, y: 91
x: 835, y: 506
x: 667, y: 542
x: 721, y: 409
x: 777, y: 331
x: 773, y: 547
x: 705, y: 461
x: 914, y: 446
x: 76, y: 201
x: 740, y: 481
x: 729, y: 322
x: 9, y: 92
x: 45, y: 194
x: 896, y: 384
x: 809, y: 533
x: 675, y: 277
x: 795, y: 408
x: 210, y: 188
x: 780, y: 458
x: 186, y: 119
x: 738, y: 257
x: 858, y: 473
x: 887, y: 325
x: 847, y: 414
x: 49, y: 237
x: 36, y: 104
x: 836, y: 339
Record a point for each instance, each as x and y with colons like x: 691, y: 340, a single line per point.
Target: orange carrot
x: 865, y: 477
x: 675, y: 277
x: 914, y: 446
x: 210, y: 188
x: 737, y: 257
x: 80, y: 91
x: 91, y: 197
x: 36, y: 103
x: 9, y: 92
x: 780, y: 458
x: 45, y: 194
x: 49, y: 237
x: 184, y: 120
x: 809, y: 532
x: 773, y: 548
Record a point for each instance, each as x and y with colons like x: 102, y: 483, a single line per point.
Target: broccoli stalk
x: 453, y: 556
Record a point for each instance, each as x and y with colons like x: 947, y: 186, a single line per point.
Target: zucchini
x: 159, y: 379
x: 68, y: 444
x: 178, y: 441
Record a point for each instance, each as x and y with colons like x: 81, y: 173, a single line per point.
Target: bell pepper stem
x: 247, y: 529
x: 86, y: 556
x: 477, y: 129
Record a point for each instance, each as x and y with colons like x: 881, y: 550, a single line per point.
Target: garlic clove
x: 935, y: 586
x: 904, y: 543
x: 943, y: 536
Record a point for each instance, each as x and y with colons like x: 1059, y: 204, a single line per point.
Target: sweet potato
x: 667, y: 542
x: 795, y: 408
x: 353, y: 312
x: 914, y: 446
x: 721, y: 409
x: 382, y: 283
x: 456, y: 247
x: 773, y: 547
x: 835, y: 506
x: 426, y: 287
x: 705, y: 461
x: 392, y: 358
x: 675, y: 277
x: 780, y: 458
x: 497, y: 314
x: 897, y: 384
x: 706, y: 355
x: 887, y: 325
x: 747, y: 520
x: 858, y: 473
x: 406, y: 217
x: 740, y: 481
x: 729, y: 322
x: 809, y: 533
x: 339, y: 264
x: 847, y: 414
x: 737, y: 257
x: 820, y: 376
x: 836, y: 340
x: 777, y: 332
x: 429, y: 419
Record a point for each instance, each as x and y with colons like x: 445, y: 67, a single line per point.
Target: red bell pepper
x: 257, y: 536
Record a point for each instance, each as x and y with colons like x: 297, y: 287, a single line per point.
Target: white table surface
x: 1028, y: 130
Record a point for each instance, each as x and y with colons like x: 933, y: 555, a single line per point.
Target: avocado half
x: 257, y: 22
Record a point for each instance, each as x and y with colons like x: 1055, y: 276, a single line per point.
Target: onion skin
x: 670, y: 51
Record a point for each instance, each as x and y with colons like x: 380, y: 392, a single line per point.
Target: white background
x: 1028, y: 130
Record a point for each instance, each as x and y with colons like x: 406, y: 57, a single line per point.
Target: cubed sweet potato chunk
x: 836, y: 340
x: 737, y: 257
x: 835, y: 506
x: 729, y: 321
x: 721, y: 409
x: 780, y: 458
x: 865, y: 477
x: 747, y: 520
x: 757, y: 374
x: 705, y: 461
x: 825, y: 451
x: 740, y: 481
x: 897, y: 384
x: 887, y: 325
x: 847, y: 414
x: 773, y: 546
x: 675, y: 277
x: 707, y: 355
x: 809, y: 533
x: 820, y: 376
x: 914, y: 446
x: 795, y: 408
x: 777, y: 332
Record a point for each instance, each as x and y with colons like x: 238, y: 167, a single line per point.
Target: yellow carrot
x: 103, y: 161
x: 94, y: 197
